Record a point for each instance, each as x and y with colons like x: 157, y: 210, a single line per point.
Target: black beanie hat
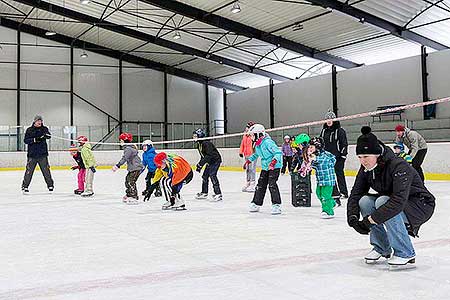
x: 367, y: 143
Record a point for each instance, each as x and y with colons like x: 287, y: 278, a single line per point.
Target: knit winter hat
x: 37, y: 117
x: 400, y: 127
x: 367, y: 143
x: 330, y: 115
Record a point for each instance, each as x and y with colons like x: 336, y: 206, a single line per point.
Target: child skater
x: 149, y: 164
x: 323, y: 163
x: 300, y: 143
x: 245, y: 151
x: 287, y: 155
x: 80, y: 167
x: 134, y: 167
x: 271, y: 160
x: 209, y: 156
x: 399, y: 150
x: 89, y: 164
x: 171, y: 174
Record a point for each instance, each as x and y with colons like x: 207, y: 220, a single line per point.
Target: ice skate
x: 50, y: 189
x: 373, y: 256
x: 87, y: 194
x: 400, y: 263
x: 251, y: 188
x: 167, y: 205
x: 125, y: 199
x: 25, y: 191
x: 78, y: 192
x: 324, y: 215
x: 216, y: 198
x: 245, y: 187
x: 179, y: 203
x: 201, y: 196
x: 132, y: 201
x: 254, y: 207
x: 276, y: 209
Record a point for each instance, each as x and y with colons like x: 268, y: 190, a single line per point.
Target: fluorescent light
x: 84, y: 1
x: 236, y: 8
x: 50, y: 33
x: 176, y: 36
x: 84, y: 54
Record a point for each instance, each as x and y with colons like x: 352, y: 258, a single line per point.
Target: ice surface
x: 62, y: 246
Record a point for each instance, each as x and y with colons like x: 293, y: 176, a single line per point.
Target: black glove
x: 362, y: 227
x: 93, y: 169
x: 47, y: 136
x: 241, y: 155
x: 199, y: 168
x: 39, y: 139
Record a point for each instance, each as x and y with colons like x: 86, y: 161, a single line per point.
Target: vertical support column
x: 271, y: 104
x: 225, y: 115
x: 208, y: 125
x: 120, y: 94
x: 71, y: 87
x: 18, y: 90
x: 429, y: 111
x: 334, y: 89
x: 166, y: 109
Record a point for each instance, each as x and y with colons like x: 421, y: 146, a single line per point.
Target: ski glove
x: 272, y: 164
x: 247, y: 162
x: 362, y: 227
x: 199, y: 168
x: 93, y: 169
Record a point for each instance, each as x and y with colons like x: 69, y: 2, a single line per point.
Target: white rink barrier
x: 437, y: 159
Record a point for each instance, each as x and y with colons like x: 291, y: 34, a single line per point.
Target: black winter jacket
x: 36, y: 139
x: 208, y: 153
x: 396, y: 178
x: 335, y: 139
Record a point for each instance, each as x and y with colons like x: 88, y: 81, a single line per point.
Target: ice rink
x: 62, y: 246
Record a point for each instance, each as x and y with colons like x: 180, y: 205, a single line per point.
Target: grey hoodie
x: 413, y: 140
x: 131, y: 158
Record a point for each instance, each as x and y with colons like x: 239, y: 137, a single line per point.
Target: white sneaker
x: 201, y: 196
x: 254, y: 207
x: 400, y: 261
x: 373, y: 256
x: 276, y: 209
x: 217, y: 198
x: 324, y: 215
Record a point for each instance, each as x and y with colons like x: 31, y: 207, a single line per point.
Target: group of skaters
x: 396, y: 211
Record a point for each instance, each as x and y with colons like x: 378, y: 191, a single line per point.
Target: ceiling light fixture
x: 84, y: 54
x: 236, y: 8
x: 177, y: 35
x: 84, y: 2
x: 50, y: 33
x: 298, y: 26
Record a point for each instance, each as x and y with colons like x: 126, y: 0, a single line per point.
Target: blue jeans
x: 395, y: 235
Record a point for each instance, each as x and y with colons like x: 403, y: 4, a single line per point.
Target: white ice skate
x: 179, y: 203
x: 217, y: 198
x: 254, y: 207
x: 276, y: 209
x: 87, y: 194
x: 373, y: 256
x: 201, y: 196
x: 167, y: 205
x: 251, y: 188
x: 324, y: 215
x: 25, y: 191
x: 400, y: 263
x: 50, y: 189
x: 245, y: 187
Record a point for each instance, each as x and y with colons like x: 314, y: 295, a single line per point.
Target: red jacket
x: 246, y: 146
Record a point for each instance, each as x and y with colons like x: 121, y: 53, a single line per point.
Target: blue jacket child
x: 149, y: 164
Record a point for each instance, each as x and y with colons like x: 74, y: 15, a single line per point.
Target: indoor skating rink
x: 62, y: 246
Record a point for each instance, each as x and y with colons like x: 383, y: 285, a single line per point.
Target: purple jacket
x: 287, y: 150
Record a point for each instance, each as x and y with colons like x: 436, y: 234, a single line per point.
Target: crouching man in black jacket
x: 402, y: 203
x: 209, y: 156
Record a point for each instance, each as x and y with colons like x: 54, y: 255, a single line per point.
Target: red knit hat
x: 400, y: 127
x: 159, y: 158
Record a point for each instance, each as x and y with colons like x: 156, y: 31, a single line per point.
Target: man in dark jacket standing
x: 209, y: 156
x: 36, y: 138
x: 402, y: 203
x: 335, y: 139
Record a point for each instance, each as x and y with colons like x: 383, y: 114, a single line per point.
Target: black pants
x: 341, y: 186
x: 148, y: 183
x: 130, y: 183
x: 418, y: 161
x: 287, y: 161
x: 211, y: 172
x: 269, y: 178
x: 31, y: 166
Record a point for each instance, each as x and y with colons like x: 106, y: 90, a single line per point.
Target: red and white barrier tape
x: 319, y: 122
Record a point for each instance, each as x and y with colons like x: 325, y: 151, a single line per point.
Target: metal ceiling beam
x: 248, y: 31
x: 119, y: 55
x: 62, y: 11
x: 394, y: 29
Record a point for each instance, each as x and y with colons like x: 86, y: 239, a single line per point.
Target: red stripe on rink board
x: 158, y: 277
